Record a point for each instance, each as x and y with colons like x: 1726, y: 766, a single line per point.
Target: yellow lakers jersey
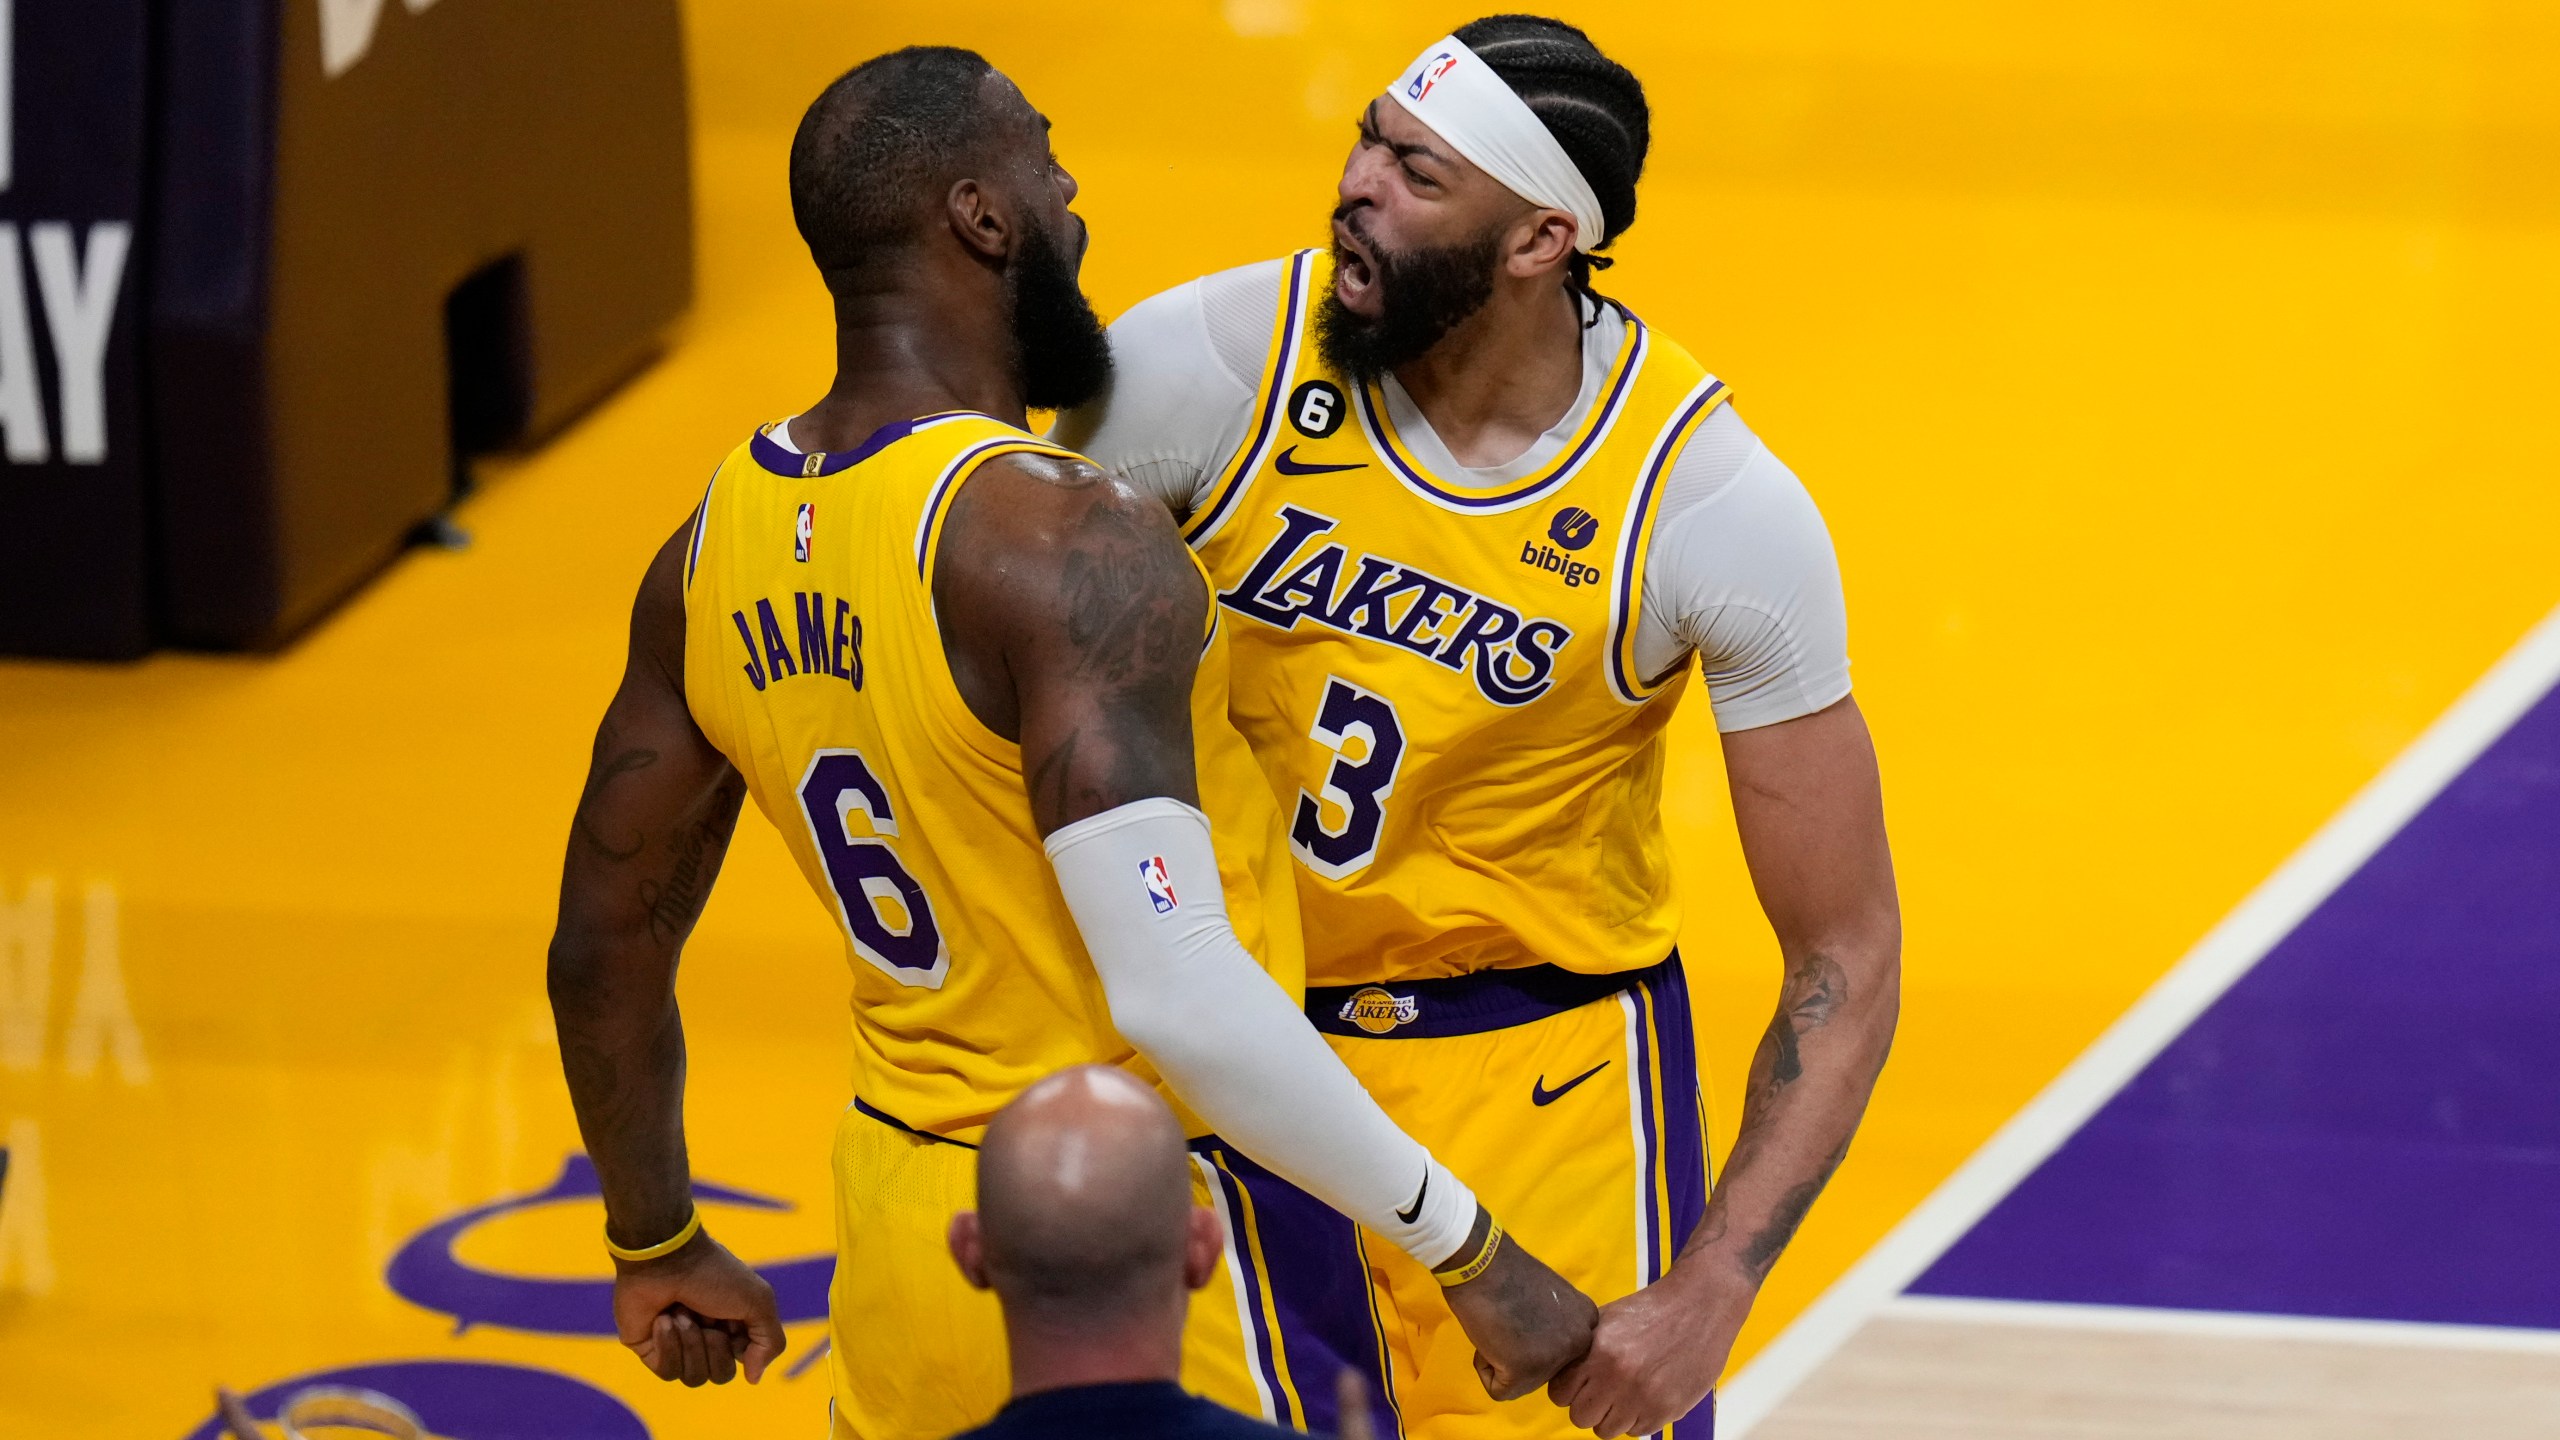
x: 1439, y: 680
x: 813, y: 662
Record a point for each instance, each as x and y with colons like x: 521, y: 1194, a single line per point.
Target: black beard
x: 1060, y: 347
x: 1422, y: 296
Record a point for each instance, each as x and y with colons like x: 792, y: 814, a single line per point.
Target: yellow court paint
x: 2174, y: 378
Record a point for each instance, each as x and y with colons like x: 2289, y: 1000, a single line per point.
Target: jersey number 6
x: 884, y: 910
x: 1367, y: 742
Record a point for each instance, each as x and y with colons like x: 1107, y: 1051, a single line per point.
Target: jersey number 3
x: 884, y: 910
x: 1336, y: 829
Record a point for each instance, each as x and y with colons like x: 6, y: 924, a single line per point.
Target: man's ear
x: 1201, y: 1247
x: 969, y: 1247
x: 1540, y: 241
x: 978, y: 216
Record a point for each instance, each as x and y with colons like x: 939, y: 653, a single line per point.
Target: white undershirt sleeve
x: 1741, y: 571
x: 1185, y: 365
x: 1142, y: 882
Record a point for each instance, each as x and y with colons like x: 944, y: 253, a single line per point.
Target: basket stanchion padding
x: 74, y: 532
x: 343, y: 187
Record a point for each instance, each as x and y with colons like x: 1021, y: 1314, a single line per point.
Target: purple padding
x: 2366, y: 1125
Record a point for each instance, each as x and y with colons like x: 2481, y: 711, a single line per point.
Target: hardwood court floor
x: 2331, y: 1125
x: 1921, y: 1375
x: 2174, y: 377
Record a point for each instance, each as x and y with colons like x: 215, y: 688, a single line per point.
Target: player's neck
x: 900, y: 355
x: 1504, y: 376
x: 1081, y: 1352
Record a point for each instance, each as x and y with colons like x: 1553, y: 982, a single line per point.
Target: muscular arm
x: 1073, y: 623
x: 1074, y: 620
x: 1811, y: 813
x: 650, y: 830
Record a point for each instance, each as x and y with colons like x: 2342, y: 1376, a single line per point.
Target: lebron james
x: 980, y: 689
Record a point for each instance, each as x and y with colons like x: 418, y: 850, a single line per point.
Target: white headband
x: 1453, y: 91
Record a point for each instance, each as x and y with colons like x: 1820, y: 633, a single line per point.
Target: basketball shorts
x: 915, y: 1353
x: 1571, y: 1104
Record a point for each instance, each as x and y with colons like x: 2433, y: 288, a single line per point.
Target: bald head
x: 1084, y: 1202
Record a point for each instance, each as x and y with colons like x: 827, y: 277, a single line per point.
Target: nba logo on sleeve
x: 1159, y: 884
x: 802, y: 532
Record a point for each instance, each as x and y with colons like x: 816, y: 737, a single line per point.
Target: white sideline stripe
x: 2223, y: 1324
x: 2485, y: 712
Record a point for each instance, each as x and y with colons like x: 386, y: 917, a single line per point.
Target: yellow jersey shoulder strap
x: 1704, y: 396
x: 987, y: 443
x: 701, y: 518
x: 977, y: 445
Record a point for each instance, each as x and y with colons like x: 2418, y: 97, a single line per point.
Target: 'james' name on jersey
x: 814, y: 662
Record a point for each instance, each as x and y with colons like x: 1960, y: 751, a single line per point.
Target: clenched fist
x: 698, y: 1315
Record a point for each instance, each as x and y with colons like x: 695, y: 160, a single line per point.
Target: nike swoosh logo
x: 1413, y: 1211
x: 1539, y: 1094
x: 1287, y: 463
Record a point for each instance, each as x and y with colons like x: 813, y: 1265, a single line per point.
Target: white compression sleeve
x: 1142, y: 881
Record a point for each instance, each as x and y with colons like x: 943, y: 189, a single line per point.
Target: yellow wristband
x: 692, y: 1227
x: 1477, y: 1266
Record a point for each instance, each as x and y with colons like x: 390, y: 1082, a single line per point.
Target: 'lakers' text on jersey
x: 1439, y: 680
x: 813, y: 661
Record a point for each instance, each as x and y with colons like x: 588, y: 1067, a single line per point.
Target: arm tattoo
x: 1118, y: 593
x: 674, y: 904
x: 1050, y: 776
x: 1771, y: 1240
x: 1127, y: 602
x: 1815, y: 991
x: 600, y: 777
x: 591, y: 1069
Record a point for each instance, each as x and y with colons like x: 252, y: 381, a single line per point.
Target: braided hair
x: 1593, y: 105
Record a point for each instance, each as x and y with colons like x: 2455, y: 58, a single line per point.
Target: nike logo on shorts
x: 1287, y: 463
x: 1539, y: 1094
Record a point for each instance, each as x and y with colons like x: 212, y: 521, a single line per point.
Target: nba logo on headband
x: 1471, y: 107
x: 1440, y: 65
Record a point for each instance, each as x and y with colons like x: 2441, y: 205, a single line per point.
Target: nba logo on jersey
x: 1430, y: 76
x: 802, y: 532
x: 1159, y: 884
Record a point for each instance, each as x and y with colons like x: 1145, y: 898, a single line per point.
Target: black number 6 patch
x: 1316, y: 409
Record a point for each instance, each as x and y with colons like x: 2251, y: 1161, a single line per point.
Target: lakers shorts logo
x: 1378, y: 1011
